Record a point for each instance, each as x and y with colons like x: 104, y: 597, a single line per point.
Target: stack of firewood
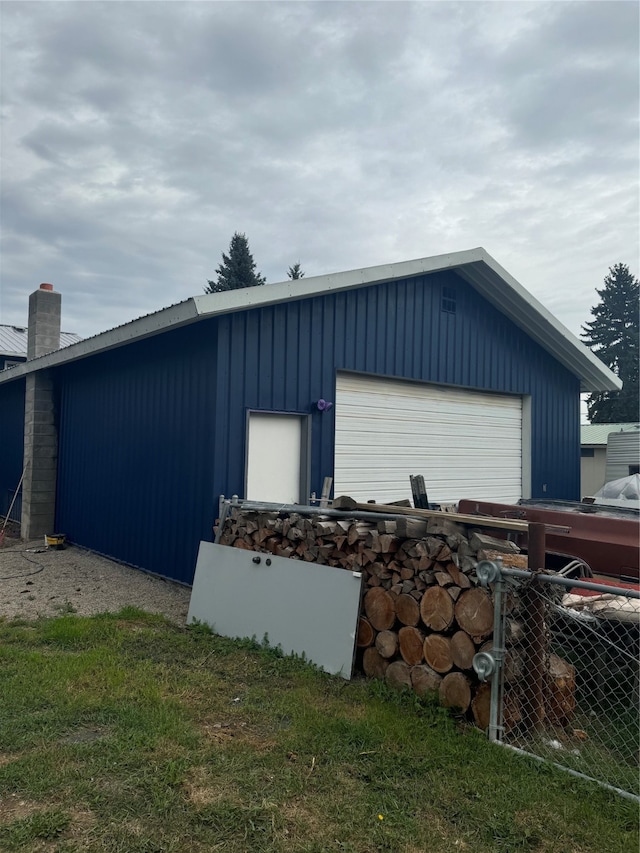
x: 423, y: 614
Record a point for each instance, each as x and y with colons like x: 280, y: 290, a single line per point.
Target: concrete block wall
x: 40, y: 457
x: 45, y: 311
x: 40, y: 425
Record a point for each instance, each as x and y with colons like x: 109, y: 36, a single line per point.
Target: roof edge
x: 596, y: 378
x: 475, y: 266
x: 209, y: 304
x: 144, y: 327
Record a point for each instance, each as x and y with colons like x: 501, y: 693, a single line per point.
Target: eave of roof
x: 597, y: 434
x: 474, y: 265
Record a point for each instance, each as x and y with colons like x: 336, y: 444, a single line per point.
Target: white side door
x: 276, y: 458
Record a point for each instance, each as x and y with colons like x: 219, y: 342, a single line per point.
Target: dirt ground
x: 36, y: 582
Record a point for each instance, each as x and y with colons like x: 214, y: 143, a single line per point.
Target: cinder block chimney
x: 40, y: 429
x: 45, y: 309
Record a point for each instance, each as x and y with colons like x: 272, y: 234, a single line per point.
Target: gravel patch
x: 35, y: 582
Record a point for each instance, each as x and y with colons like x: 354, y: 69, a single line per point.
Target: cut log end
x: 425, y: 680
x: 437, y: 652
x: 410, y: 642
x: 380, y: 609
x: 474, y: 612
x: 398, y: 675
x: 455, y: 691
x: 373, y: 664
x: 436, y: 608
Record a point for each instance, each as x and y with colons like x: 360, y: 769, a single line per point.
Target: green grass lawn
x: 125, y: 733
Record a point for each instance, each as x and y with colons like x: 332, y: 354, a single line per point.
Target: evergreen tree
x: 238, y: 269
x: 295, y: 271
x: 613, y: 336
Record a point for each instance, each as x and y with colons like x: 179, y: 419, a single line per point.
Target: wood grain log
x: 560, y: 691
x: 444, y: 554
x: 514, y: 561
x: 432, y: 546
x: 398, y: 674
x: 437, y: 652
x: 425, y: 680
x: 513, y: 665
x: 411, y: 528
x: 388, y: 544
x: 474, y: 613
x: 483, y: 542
x: 373, y: 664
x: 462, y: 650
x: 455, y: 691
x: 410, y: 643
x: 511, y: 710
x: 481, y: 706
x: 436, y: 608
x: 380, y: 609
x: 407, y: 610
x: 366, y: 634
x: 386, y: 642
x: 454, y: 572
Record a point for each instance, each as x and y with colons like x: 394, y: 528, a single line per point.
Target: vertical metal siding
x: 396, y: 329
x: 152, y: 433
x: 11, y: 440
x: 136, y: 451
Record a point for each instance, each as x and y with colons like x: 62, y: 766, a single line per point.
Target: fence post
x: 533, y: 710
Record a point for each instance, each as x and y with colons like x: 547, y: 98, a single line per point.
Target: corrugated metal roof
x: 13, y: 340
x: 597, y: 433
x: 474, y: 265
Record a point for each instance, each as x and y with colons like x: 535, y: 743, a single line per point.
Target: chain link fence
x: 564, y: 667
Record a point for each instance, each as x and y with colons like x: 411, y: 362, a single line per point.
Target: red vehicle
x: 605, y: 539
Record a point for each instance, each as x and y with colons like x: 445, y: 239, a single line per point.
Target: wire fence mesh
x: 570, y: 678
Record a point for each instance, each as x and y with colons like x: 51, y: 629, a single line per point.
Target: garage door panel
x: 465, y: 443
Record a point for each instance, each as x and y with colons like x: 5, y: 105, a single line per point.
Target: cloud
x: 137, y: 137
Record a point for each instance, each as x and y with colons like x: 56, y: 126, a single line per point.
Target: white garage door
x: 466, y: 444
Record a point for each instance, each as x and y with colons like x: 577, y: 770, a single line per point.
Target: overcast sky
x: 138, y: 136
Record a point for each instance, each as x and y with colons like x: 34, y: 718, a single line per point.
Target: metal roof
x: 13, y: 340
x: 598, y: 433
x: 475, y: 266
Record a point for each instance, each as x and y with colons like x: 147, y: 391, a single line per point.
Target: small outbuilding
x: 444, y: 366
x: 593, y: 455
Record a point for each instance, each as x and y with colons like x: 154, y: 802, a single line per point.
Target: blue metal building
x: 361, y: 376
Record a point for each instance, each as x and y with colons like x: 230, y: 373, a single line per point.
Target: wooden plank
x: 419, y: 491
x: 326, y: 491
x: 473, y: 520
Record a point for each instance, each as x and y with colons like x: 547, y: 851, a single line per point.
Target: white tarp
x: 626, y: 488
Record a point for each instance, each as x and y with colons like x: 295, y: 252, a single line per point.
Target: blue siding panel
x: 136, y: 451
x: 11, y: 441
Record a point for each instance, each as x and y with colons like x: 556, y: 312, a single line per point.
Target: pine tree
x: 295, y: 271
x: 613, y: 336
x: 237, y: 270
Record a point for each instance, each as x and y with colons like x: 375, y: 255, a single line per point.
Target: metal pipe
x: 495, y: 707
x: 523, y: 574
x: 626, y: 794
x: 534, y: 631
x: 225, y: 506
x: 303, y: 509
